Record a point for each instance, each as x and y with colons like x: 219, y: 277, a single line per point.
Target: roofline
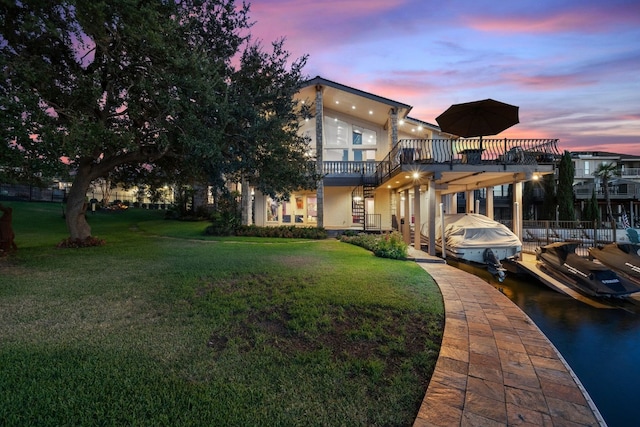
x: 322, y: 81
x: 427, y: 124
x: 606, y: 154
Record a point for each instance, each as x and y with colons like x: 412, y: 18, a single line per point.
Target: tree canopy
x: 606, y: 172
x: 565, y: 197
x: 136, y: 88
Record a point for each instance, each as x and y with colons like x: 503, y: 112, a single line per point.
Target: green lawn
x: 166, y: 326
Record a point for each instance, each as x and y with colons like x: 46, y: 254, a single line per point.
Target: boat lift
x: 528, y: 264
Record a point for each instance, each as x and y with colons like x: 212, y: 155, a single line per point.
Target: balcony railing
x: 449, y: 152
x: 349, y: 168
x: 472, y: 151
x: 623, y: 191
x: 630, y: 172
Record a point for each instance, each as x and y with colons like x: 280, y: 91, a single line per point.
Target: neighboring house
x: 624, y: 189
x: 384, y: 170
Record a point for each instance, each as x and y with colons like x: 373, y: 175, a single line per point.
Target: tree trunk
x: 77, y: 223
x: 609, y: 210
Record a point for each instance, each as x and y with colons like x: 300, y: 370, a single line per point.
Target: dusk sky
x: 572, y: 66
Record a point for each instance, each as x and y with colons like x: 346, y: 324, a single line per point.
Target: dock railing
x: 585, y: 233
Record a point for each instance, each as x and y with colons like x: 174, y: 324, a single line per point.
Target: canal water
x: 602, y: 345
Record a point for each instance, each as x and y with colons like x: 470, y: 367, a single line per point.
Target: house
x: 624, y: 189
x: 384, y: 170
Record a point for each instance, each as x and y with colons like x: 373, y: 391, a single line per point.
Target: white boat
x: 478, y: 239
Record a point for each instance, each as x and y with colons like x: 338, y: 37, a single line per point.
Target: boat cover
x: 476, y: 231
x: 621, y: 257
x: 594, y: 279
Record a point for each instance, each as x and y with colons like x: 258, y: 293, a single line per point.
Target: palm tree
x: 606, y: 171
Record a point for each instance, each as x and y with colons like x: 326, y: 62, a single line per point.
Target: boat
x: 478, y: 239
x: 560, y: 261
x: 623, y: 258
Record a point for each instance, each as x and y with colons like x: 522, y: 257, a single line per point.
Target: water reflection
x: 602, y: 345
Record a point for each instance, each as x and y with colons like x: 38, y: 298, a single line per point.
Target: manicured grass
x: 166, y: 326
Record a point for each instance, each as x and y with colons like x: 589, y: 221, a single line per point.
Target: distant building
x: 624, y: 190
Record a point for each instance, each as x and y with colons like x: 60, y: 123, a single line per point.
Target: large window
x: 364, y: 155
x: 336, y: 155
x: 301, y: 209
x: 348, y: 142
x: 335, y: 132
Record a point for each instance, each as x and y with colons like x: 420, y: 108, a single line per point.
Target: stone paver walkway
x: 495, y: 366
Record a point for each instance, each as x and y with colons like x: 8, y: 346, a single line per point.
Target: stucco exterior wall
x: 337, y: 208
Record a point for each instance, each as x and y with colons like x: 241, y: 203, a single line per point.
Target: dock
x: 529, y: 264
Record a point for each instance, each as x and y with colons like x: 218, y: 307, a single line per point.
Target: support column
x: 393, y: 117
x: 319, y: 154
x: 406, y: 227
x: 489, y: 203
x: 517, y: 213
x: 398, y: 197
x: 431, y: 216
x: 417, y: 225
x: 470, y: 201
x: 453, y: 207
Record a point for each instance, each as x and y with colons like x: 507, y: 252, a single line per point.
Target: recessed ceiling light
x: 401, y: 122
x: 353, y: 107
x: 370, y: 111
x: 337, y: 102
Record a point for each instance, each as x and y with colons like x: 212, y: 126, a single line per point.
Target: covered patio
x: 442, y: 168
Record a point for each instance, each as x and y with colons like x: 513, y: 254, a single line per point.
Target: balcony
x: 616, y: 192
x: 630, y: 173
x: 470, y: 154
x: 473, y: 155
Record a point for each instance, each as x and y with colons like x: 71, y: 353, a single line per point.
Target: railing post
x: 504, y: 155
x: 547, y: 225
x: 451, y: 154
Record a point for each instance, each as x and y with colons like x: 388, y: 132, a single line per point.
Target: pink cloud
x: 581, y: 18
x: 550, y: 81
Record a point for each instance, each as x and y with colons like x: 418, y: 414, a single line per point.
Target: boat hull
x: 623, y: 258
x: 477, y: 255
x: 560, y: 261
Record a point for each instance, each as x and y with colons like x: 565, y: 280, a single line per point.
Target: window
x: 272, y: 210
x: 286, y: 212
x: 334, y: 155
x: 364, y: 155
x: 335, y: 132
x: 368, y: 137
x: 312, y: 209
x: 357, y: 137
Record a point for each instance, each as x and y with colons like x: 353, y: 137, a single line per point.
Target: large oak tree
x: 138, y: 87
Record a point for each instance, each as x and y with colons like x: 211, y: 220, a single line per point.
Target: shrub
x: 285, y: 231
x: 389, y: 245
